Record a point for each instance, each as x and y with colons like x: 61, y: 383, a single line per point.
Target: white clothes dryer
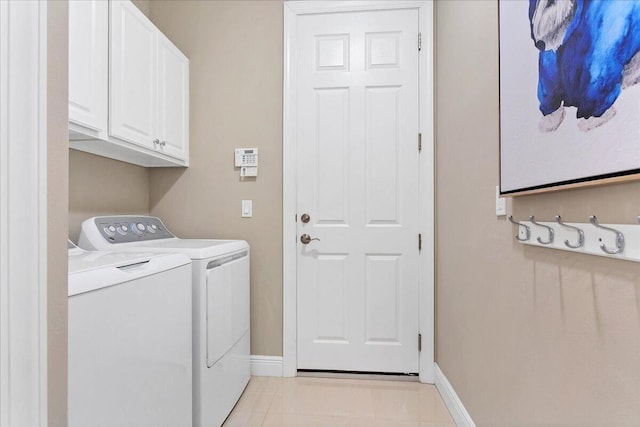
x: 221, y: 335
x: 129, y: 349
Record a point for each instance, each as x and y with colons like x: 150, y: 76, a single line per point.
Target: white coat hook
x: 587, y: 237
x: 549, y: 229
x: 580, y: 234
x: 619, y: 237
x: 527, y: 230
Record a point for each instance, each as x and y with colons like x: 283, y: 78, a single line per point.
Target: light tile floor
x: 315, y: 402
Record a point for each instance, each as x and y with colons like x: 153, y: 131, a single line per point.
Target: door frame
x: 23, y: 205
x: 292, y: 10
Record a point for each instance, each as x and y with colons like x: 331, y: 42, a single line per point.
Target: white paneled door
x: 357, y: 185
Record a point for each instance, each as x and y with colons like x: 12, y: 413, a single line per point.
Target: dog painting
x: 588, y: 55
x: 569, y: 92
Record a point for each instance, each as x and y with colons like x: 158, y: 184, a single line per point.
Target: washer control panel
x: 124, y: 229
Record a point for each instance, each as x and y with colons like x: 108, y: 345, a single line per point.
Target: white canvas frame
x: 427, y: 198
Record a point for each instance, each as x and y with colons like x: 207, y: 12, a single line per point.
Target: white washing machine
x: 129, y: 349
x: 221, y: 335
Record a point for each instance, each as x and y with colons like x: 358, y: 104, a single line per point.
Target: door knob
x: 306, y: 239
x: 305, y: 218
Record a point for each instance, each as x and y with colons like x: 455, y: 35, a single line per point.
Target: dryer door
x: 227, y: 304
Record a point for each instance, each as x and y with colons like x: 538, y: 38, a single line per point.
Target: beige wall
x: 57, y: 190
x: 101, y: 186
x: 144, y: 6
x: 527, y: 336
x: 235, y: 51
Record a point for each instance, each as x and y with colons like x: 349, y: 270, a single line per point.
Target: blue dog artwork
x: 588, y: 54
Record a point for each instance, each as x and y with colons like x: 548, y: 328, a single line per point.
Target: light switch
x: 501, y: 203
x: 247, y: 208
x: 248, y: 171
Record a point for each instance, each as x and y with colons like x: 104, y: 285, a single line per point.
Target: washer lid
x: 193, y: 248
x: 91, y: 270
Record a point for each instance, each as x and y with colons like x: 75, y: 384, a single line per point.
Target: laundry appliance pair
x: 219, y: 285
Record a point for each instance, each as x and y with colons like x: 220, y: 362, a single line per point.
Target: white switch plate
x: 247, y: 208
x: 248, y: 171
x: 501, y: 203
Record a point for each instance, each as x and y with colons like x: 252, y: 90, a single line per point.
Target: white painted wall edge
x: 266, y: 366
x: 23, y: 214
x: 427, y: 193
x: 289, y: 176
x: 457, y: 410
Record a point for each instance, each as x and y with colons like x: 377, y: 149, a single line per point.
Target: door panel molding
x: 293, y: 10
x: 23, y: 214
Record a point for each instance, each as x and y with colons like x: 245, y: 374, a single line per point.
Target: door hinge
x: 419, y: 241
x: 419, y: 42
x: 419, y: 142
x: 419, y: 342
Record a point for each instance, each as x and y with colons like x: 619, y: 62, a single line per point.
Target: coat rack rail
x: 620, y: 241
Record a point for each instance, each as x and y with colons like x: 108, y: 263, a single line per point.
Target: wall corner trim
x: 457, y: 410
x: 266, y: 366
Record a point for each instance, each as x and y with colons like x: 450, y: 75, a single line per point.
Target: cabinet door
x: 132, y: 75
x: 173, y: 99
x: 88, y: 55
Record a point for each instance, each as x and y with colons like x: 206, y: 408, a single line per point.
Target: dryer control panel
x: 125, y: 229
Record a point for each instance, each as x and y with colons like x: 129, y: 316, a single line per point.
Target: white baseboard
x: 266, y: 366
x: 458, y: 412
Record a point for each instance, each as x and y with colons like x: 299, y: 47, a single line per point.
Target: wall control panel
x: 247, y: 160
x: 246, y: 157
x: 125, y: 229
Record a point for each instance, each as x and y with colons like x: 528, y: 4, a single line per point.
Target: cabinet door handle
x: 163, y: 143
x: 156, y: 141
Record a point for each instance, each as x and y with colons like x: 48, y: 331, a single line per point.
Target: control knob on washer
x: 136, y: 228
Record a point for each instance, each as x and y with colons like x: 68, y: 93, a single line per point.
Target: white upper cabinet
x: 147, y: 100
x: 88, y: 72
x: 173, y: 99
x: 132, y: 72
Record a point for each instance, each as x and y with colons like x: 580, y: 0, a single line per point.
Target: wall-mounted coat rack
x: 620, y: 241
